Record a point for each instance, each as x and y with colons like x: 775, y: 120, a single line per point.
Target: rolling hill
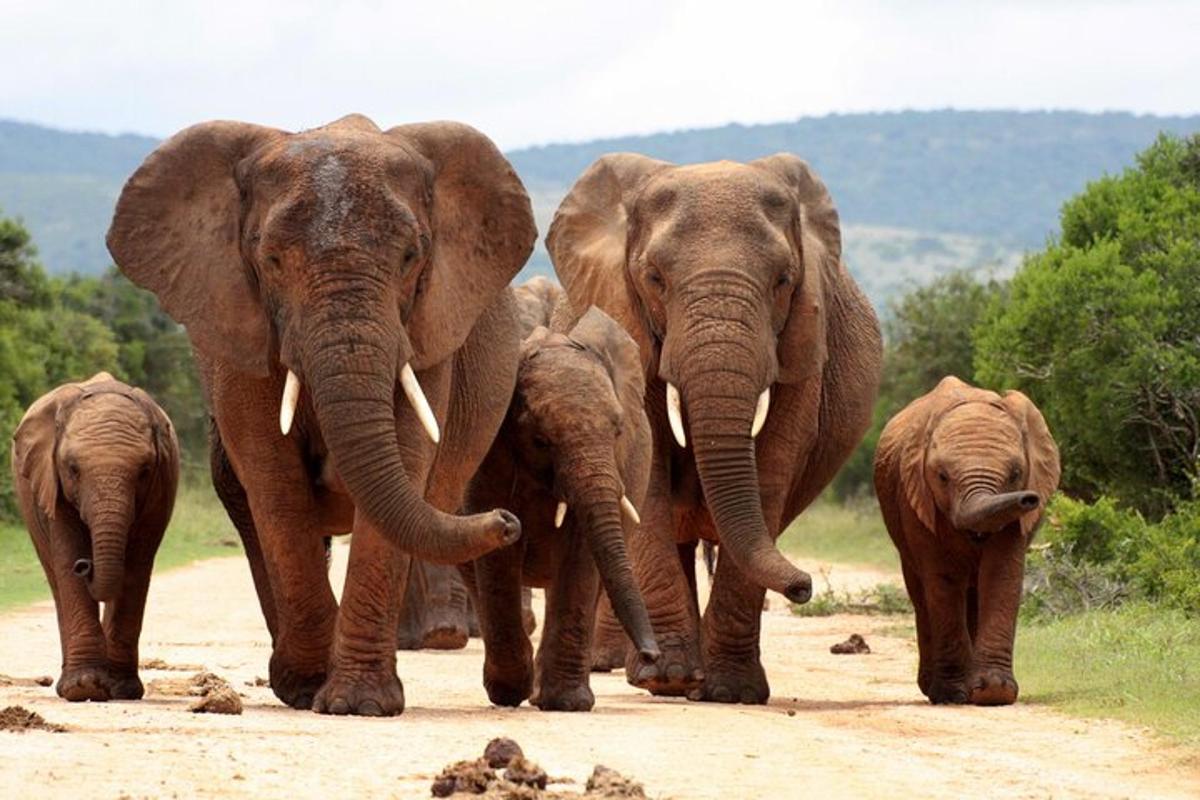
x: 920, y: 193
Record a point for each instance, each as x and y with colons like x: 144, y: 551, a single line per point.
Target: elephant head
x: 349, y: 256
x: 580, y: 424
x: 980, y: 460
x: 92, y: 451
x: 722, y: 273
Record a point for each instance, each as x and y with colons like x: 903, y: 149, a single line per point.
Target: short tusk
x: 416, y: 398
x: 675, y: 414
x: 760, y: 412
x: 628, y: 508
x: 291, y: 396
x: 560, y: 513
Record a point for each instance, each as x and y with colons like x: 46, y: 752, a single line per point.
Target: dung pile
x: 855, y: 645
x: 16, y: 718
x: 522, y: 779
x: 213, y: 693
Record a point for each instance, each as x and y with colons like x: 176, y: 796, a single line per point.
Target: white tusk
x: 287, y: 407
x: 760, y: 412
x: 675, y: 414
x: 560, y: 513
x: 627, y: 507
x: 416, y: 398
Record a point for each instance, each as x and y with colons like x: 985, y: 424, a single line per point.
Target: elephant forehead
x: 110, y: 418
x: 714, y: 201
x: 979, y: 425
x: 563, y: 385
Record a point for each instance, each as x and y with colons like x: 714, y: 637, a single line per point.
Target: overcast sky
x: 531, y: 72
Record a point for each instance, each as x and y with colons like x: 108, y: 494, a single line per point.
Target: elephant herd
x: 705, y: 369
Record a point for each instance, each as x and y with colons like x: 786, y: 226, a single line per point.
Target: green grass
x: 1137, y: 663
x: 199, y: 529
x: 884, y: 598
x: 842, y: 534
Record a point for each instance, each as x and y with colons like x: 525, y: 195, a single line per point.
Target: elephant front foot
x: 363, y: 694
x: 446, y: 631
x: 744, y: 683
x: 77, y: 684
x: 564, y: 697
x: 676, y: 673
x: 943, y: 691
x: 295, y: 684
x: 994, y: 688
x: 609, y: 652
x: 126, y: 685
x: 508, y: 685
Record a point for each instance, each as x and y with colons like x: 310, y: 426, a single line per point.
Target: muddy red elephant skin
x: 761, y: 359
x: 95, y: 468
x: 360, y: 275
x: 963, y: 476
x: 572, y: 460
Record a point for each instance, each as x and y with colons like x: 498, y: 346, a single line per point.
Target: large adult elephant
x: 360, y: 275
x: 762, y: 363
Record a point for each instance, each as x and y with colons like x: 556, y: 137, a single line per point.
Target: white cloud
x: 528, y: 71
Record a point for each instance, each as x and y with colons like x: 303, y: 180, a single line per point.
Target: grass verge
x: 199, y: 529
x: 1138, y: 663
x: 843, y: 534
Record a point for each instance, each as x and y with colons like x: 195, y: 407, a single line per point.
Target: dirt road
x: 836, y: 726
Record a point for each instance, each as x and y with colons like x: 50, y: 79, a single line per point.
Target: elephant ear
x: 483, y: 233
x: 600, y: 333
x: 588, y: 241
x: 166, y: 445
x: 176, y: 232
x: 802, y: 345
x: 900, y: 454
x: 35, y: 441
x: 1040, y: 450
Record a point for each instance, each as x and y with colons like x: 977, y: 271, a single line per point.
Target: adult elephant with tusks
x: 360, y: 275
x: 762, y: 363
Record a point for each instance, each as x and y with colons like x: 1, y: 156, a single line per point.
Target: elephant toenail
x: 369, y: 708
x: 676, y: 672
x: 339, y: 707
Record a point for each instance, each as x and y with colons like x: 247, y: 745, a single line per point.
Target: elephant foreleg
x: 435, y: 613
x: 946, y: 602
x: 732, y: 622
x: 564, y: 655
x: 362, y: 665
x: 508, y: 655
x: 237, y: 506
x: 1001, y: 572
x: 84, y: 652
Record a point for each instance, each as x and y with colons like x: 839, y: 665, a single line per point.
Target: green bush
x: 1099, y: 555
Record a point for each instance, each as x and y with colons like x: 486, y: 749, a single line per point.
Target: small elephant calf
x: 963, y: 476
x: 95, y: 467
x: 572, y: 461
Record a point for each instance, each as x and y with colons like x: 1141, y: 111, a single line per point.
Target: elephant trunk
x: 350, y: 364
x: 598, y: 507
x: 988, y: 512
x: 723, y: 402
x: 109, y: 518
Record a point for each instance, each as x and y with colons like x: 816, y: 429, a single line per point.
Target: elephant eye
x: 73, y: 468
x: 409, y: 255
x: 656, y: 279
x: 783, y: 280
x: 541, y: 442
x: 1014, y: 474
x: 942, y: 476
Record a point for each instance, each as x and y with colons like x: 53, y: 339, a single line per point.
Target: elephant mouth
x: 978, y: 537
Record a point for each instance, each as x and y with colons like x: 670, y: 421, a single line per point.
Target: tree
x: 1102, y: 331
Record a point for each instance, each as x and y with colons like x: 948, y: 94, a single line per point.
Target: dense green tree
x: 1102, y: 330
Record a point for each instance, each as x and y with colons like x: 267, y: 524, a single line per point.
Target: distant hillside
x: 919, y: 192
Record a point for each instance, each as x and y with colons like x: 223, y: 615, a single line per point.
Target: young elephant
x: 95, y: 467
x: 572, y: 461
x: 963, y: 475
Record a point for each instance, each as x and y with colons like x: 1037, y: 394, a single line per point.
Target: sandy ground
x: 836, y: 726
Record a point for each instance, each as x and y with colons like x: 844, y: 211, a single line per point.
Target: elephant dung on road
x: 963, y: 476
x: 95, y: 469
x: 761, y: 358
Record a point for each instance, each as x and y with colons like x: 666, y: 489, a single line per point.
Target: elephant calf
x: 572, y: 461
x: 95, y: 467
x: 963, y: 476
